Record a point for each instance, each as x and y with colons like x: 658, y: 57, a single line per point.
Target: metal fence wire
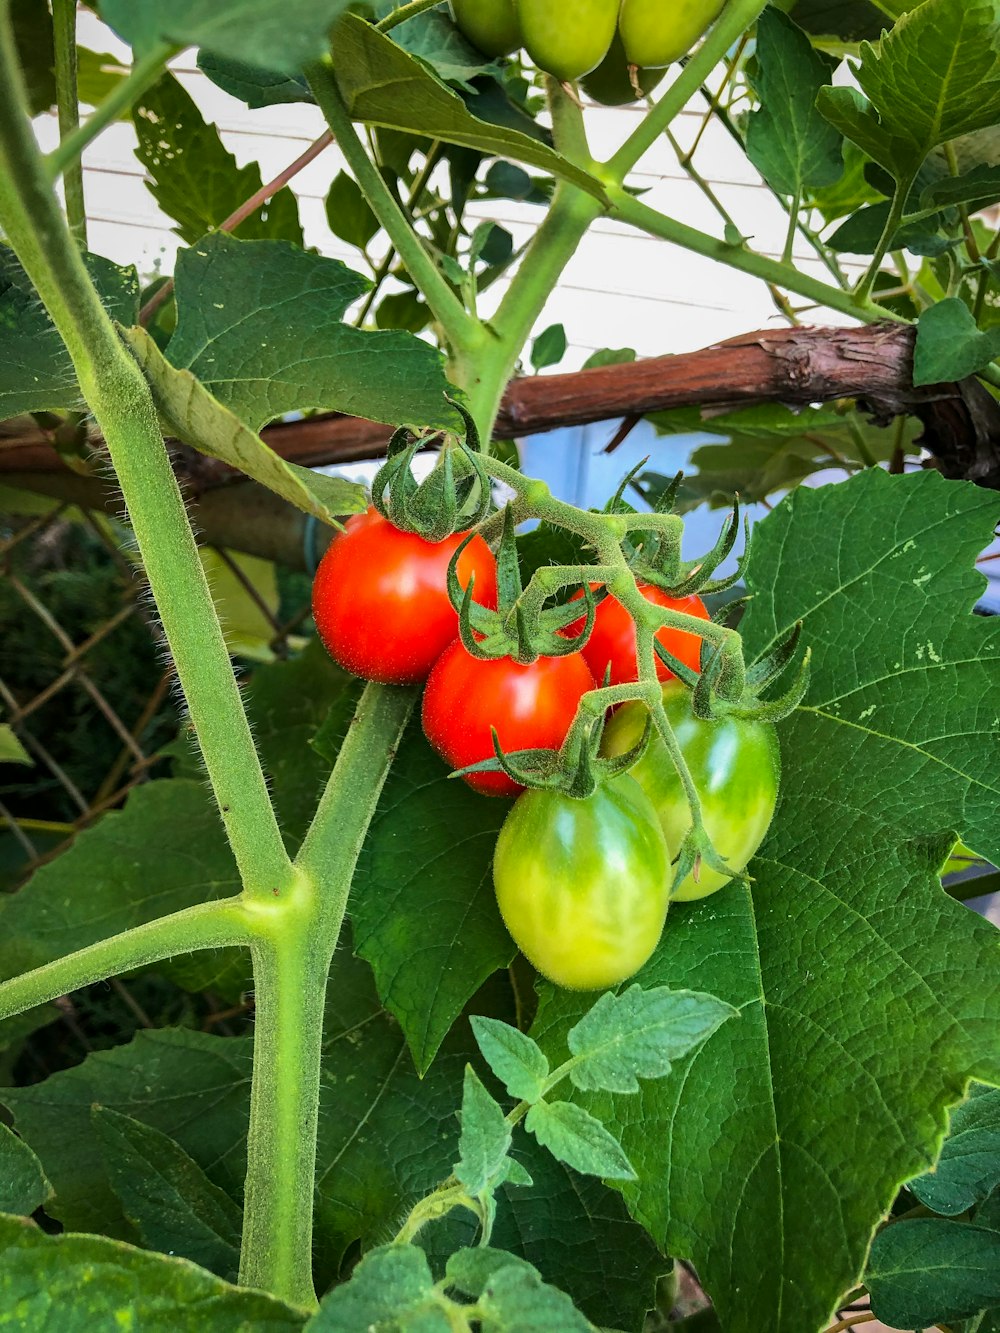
x: 85, y: 685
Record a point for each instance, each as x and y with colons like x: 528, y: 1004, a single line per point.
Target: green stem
x: 405, y: 12
x: 207, y: 926
x: 68, y: 107
x: 863, y: 290
x: 732, y: 23
x: 628, y: 209
x: 793, y: 226
x: 459, y: 327
x: 118, y: 396
x: 142, y: 75
x: 295, y: 938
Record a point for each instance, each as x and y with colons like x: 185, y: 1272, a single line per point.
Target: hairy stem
x: 119, y: 397
x: 459, y: 327
x: 295, y: 938
x: 405, y: 12
x: 68, y: 108
x: 207, y: 926
x: 143, y: 75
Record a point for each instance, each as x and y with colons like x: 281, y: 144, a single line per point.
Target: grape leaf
x: 36, y: 373
x: 422, y: 904
x: 788, y: 140
x: 259, y: 323
x: 859, y: 981
x: 389, y: 1286
x: 259, y: 32
x: 77, y: 1284
x: 193, y: 176
x: 950, y: 345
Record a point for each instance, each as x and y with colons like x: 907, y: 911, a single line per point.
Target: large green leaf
x: 36, y: 373
x: 934, y: 77
x: 788, y: 141
x: 193, y: 176
x: 259, y: 32
x: 189, y: 412
x: 385, y: 85
x: 79, y: 1284
x: 860, y: 982
x: 260, y: 324
x: 422, y: 904
x: 23, y: 1186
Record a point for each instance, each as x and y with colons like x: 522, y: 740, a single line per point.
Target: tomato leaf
x: 250, y: 84
x: 384, y: 85
x: 789, y: 142
x: 259, y: 323
x: 517, y: 1301
x: 639, y: 1034
x: 516, y: 1059
x: 193, y: 176
x: 484, y: 1139
x: 389, y: 1286
x: 422, y: 904
x: 283, y: 37
x: 23, y: 1186
x: 579, y: 1139
x: 189, y: 412
x: 167, y: 1197
x: 925, y: 1271
x: 969, y: 1166
x: 36, y: 373
x: 891, y: 752
x: 950, y: 345
x: 470, y: 1270
x: 40, y: 1274
x: 934, y: 77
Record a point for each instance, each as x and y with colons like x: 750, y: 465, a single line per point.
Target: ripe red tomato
x: 530, y: 706
x: 380, y: 598
x: 612, y: 640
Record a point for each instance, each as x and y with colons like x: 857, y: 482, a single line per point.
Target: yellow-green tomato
x: 583, y: 885
x: 567, y: 38
x: 656, y: 32
x: 611, y: 82
x: 490, y: 25
x: 735, y: 766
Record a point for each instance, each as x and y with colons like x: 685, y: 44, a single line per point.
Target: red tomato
x: 612, y: 639
x: 530, y: 706
x: 380, y: 598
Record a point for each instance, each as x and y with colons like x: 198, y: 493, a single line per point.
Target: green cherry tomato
x: 611, y: 83
x: 490, y: 25
x: 583, y: 885
x: 567, y: 40
x: 735, y: 766
x: 654, y: 33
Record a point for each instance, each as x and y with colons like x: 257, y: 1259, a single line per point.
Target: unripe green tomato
x: 583, y: 885
x: 490, y: 25
x: 567, y: 39
x: 655, y: 32
x: 735, y: 765
x: 611, y: 83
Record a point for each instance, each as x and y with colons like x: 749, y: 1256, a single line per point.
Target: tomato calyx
x: 456, y: 495
x: 578, y: 767
x: 522, y: 626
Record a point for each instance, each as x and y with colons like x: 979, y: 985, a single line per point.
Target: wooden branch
x: 797, y: 366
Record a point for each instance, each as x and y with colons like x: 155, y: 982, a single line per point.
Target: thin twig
x: 866, y: 1317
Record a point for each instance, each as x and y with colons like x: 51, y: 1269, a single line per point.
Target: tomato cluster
x: 583, y: 884
x: 621, y: 46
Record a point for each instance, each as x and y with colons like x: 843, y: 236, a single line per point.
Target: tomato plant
x: 380, y: 602
x: 583, y: 885
x: 530, y: 706
x: 318, y: 1041
x: 612, y: 640
x: 735, y: 765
